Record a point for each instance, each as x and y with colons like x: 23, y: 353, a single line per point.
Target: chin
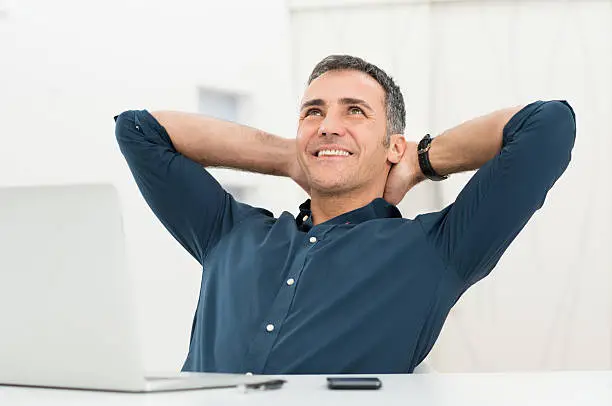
x: 331, y: 186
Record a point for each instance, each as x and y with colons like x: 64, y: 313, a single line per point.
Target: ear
x: 397, y: 147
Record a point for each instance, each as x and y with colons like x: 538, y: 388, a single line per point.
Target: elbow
x: 561, y: 119
x: 126, y: 127
x: 559, y: 132
x: 120, y: 126
x: 129, y: 134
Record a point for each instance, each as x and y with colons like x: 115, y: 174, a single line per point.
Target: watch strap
x: 424, y: 163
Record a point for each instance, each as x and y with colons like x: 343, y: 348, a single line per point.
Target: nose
x: 331, y: 125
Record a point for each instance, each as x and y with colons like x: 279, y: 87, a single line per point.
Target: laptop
x: 67, y: 314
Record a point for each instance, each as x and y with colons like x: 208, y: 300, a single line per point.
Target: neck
x: 325, y: 207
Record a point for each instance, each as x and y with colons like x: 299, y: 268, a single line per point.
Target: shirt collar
x: 378, y: 208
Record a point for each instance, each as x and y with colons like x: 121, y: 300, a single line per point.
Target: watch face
x: 423, y: 149
x: 424, y: 144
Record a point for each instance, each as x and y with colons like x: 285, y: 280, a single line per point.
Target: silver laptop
x: 66, y: 312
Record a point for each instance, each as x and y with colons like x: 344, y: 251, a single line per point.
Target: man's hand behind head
x: 404, y: 175
x: 296, y: 173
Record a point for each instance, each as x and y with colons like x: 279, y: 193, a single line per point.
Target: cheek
x: 306, y: 131
x: 301, y: 140
x: 374, y: 156
x: 308, y: 127
x: 301, y: 147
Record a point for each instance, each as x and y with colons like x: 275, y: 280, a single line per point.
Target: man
x: 348, y: 286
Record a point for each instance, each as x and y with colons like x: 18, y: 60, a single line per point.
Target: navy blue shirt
x: 365, y: 292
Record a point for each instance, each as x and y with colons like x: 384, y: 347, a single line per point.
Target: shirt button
x: 290, y: 281
x: 313, y: 239
x: 304, y: 218
x: 270, y: 327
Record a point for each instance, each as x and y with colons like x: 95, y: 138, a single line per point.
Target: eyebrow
x: 344, y: 101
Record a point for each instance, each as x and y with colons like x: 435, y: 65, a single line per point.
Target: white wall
x: 67, y: 67
x: 548, y: 304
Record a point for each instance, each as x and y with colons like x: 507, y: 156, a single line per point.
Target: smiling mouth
x: 332, y: 153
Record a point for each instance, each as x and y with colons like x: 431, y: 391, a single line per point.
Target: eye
x: 313, y: 112
x: 355, y: 110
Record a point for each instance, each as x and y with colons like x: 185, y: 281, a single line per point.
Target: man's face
x: 341, y: 133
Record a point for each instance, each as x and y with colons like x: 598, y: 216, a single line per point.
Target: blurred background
x: 67, y: 67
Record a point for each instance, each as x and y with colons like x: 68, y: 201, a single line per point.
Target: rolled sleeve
x: 188, y: 201
x: 473, y: 232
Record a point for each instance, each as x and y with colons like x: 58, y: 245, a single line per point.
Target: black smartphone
x: 353, y: 383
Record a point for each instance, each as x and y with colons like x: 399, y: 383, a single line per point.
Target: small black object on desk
x: 354, y: 383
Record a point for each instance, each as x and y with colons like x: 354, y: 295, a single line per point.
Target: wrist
x: 289, y: 164
x: 424, y: 160
x: 416, y: 167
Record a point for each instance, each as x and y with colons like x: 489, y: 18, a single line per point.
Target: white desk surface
x: 551, y: 388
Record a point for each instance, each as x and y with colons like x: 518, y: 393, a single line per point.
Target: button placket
x: 263, y: 342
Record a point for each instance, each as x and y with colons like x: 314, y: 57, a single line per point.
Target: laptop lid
x: 66, y: 317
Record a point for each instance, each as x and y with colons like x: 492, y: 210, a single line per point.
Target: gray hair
x: 396, y: 111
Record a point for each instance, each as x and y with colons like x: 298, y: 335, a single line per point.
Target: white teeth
x: 332, y: 152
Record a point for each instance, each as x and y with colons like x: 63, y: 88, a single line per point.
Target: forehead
x: 334, y: 85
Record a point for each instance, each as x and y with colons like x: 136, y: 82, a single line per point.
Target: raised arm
x: 521, y: 152
x: 166, y: 152
x: 212, y: 142
x: 470, y: 145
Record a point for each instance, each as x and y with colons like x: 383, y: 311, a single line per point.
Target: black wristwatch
x: 423, y: 153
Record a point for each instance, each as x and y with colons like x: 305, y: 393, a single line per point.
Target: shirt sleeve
x: 188, y: 201
x: 472, y: 233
